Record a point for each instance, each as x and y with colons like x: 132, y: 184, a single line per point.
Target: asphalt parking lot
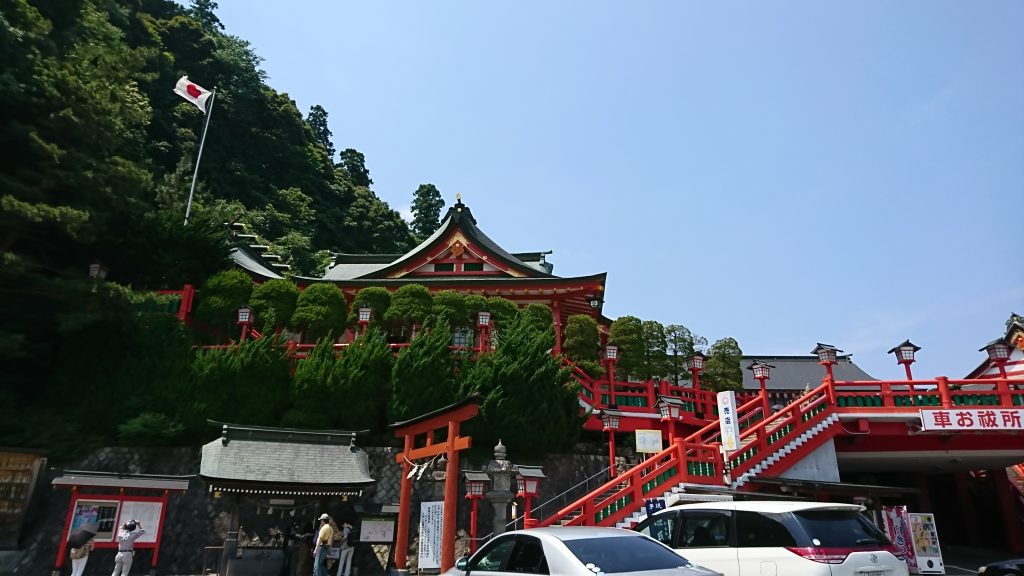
x: 963, y: 561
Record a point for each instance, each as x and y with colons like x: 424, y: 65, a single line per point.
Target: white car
x: 576, y: 551
x: 768, y: 538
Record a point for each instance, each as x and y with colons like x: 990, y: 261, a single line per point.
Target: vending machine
x: 926, y: 544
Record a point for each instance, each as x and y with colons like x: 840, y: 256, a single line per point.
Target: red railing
x: 616, y: 499
x: 697, y: 458
x: 771, y: 434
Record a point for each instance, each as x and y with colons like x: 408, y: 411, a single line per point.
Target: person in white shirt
x: 130, y: 532
x: 345, y: 560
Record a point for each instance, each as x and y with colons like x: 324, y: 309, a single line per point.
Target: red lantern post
x: 245, y: 320
x: 475, y: 482
x: 611, y: 356
x: 611, y: 424
x: 528, y: 482
x: 762, y: 372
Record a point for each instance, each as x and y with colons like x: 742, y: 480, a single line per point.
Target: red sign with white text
x: 973, y: 419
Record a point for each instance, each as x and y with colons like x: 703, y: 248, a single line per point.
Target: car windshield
x: 840, y: 529
x: 634, y: 554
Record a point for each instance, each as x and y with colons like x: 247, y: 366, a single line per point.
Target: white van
x: 776, y: 538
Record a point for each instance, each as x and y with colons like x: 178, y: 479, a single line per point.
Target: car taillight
x: 823, y: 555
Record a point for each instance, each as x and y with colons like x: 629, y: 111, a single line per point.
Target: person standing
x: 130, y: 532
x: 347, y: 549
x: 323, y: 542
x: 79, y: 557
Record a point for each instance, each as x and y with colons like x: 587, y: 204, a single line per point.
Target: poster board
x: 148, y: 513
x: 648, y: 441
x: 926, y: 543
x: 101, y: 512
x: 431, y: 524
x: 377, y: 530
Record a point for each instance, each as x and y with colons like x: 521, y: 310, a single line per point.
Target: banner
x: 727, y: 421
x: 897, y: 528
x: 431, y: 524
x: 972, y: 419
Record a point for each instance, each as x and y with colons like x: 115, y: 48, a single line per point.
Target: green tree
x: 627, y: 332
x: 247, y: 384
x: 581, y: 338
x: 204, y: 12
x: 220, y: 299
x: 364, y: 383
x: 451, y: 305
x: 426, y: 210
x: 503, y: 310
x: 320, y: 311
x: 314, y: 388
x: 354, y: 164
x: 377, y: 298
x: 722, y: 370
x: 274, y: 303
x: 530, y: 403
x: 422, y: 377
x: 680, y: 346
x: 317, y: 121
x: 654, y: 350
x: 410, y: 304
x: 474, y: 304
x: 537, y: 315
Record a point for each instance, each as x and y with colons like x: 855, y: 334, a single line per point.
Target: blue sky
x: 784, y: 173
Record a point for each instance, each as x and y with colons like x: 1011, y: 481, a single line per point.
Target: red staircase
x: 768, y: 446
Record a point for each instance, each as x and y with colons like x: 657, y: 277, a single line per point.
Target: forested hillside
x: 97, y: 161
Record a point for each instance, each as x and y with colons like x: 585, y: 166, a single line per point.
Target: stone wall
x: 196, y: 519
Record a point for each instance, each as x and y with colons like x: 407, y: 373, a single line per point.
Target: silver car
x: 576, y: 551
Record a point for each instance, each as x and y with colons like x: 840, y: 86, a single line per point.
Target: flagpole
x: 209, y: 112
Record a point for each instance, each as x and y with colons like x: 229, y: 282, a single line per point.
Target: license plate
x: 872, y: 573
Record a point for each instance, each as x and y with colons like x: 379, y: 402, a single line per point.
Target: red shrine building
x: 814, y: 426
x: 457, y: 256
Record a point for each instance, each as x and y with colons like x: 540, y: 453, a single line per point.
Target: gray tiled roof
x: 247, y: 260
x: 350, y: 271
x: 263, y: 461
x: 798, y: 372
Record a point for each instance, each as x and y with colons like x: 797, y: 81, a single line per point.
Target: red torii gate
x: 448, y: 418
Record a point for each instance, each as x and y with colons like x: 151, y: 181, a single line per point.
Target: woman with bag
x: 79, y: 557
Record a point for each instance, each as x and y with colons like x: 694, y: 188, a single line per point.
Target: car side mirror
x: 462, y: 563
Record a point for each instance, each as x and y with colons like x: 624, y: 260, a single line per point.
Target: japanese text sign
x: 972, y: 419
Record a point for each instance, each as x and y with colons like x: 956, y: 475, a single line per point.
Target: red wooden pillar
x: 451, y: 494
x: 556, y: 319
x: 404, y: 498
x: 970, y: 516
x: 1009, y: 504
x: 427, y: 426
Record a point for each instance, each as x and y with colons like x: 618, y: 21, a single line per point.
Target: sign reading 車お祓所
x: 973, y: 419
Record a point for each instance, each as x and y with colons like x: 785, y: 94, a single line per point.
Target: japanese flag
x: 192, y: 92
